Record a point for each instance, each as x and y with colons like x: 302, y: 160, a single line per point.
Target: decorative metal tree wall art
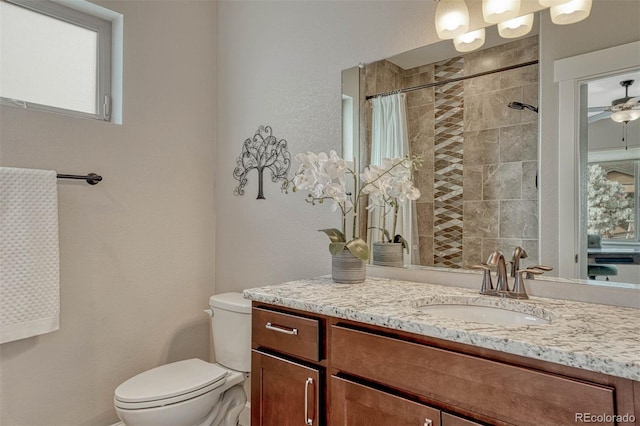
x: 262, y: 151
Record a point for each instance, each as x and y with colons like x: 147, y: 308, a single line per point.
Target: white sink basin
x: 482, y: 314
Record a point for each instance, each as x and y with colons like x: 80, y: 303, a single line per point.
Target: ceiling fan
x: 622, y: 110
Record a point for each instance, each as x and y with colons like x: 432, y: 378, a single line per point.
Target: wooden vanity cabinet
x: 372, y: 375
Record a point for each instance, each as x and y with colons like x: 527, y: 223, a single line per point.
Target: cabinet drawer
x: 501, y: 391
x: 289, y: 334
x: 354, y: 404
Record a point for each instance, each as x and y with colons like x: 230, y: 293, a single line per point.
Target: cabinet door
x: 353, y: 404
x: 283, y: 393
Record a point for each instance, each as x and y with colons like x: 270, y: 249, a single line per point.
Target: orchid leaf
x: 336, y: 248
x: 359, y: 248
x: 335, y: 235
x: 398, y: 239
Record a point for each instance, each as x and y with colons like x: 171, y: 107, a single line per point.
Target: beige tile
x: 424, y: 147
x: 495, y: 110
x: 472, y: 183
x: 424, y: 182
x: 519, y: 219
x: 472, y: 252
x: 472, y: 114
x: 426, y: 251
x: 481, y: 218
x: 529, y: 173
x: 519, y: 142
x: 481, y: 147
x: 502, y: 181
x: 420, y: 97
x: 519, y: 77
x: 425, y: 218
x: 480, y: 85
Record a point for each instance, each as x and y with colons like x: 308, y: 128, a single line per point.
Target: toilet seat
x: 170, y: 384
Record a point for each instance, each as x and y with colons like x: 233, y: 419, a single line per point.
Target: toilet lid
x: 171, y: 380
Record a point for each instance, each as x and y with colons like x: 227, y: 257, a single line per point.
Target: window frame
x: 103, y: 28
x: 635, y: 240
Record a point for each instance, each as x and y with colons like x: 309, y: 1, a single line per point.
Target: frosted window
x: 46, y: 61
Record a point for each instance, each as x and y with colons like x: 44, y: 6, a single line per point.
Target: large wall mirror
x: 474, y: 118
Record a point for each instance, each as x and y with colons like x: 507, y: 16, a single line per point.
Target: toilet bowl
x: 194, y: 392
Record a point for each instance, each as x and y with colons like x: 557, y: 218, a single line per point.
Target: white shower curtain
x: 390, y: 139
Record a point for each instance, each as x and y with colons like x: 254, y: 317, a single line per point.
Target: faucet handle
x: 541, y: 268
x: 519, y: 291
x: 487, y: 284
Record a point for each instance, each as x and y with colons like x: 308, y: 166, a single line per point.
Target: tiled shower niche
x: 478, y: 180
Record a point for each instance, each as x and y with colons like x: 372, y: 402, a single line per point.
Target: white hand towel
x: 29, y: 253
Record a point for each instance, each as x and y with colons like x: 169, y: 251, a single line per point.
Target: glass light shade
x: 469, y: 41
x: 516, y: 27
x: 452, y: 18
x: 550, y: 3
x: 495, y: 11
x: 625, y: 115
x: 570, y: 12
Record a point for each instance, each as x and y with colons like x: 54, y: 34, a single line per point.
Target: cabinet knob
x: 428, y: 422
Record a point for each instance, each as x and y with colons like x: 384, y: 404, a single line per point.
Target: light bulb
x: 495, y: 11
x: 469, y: 41
x: 625, y: 115
x: 516, y: 27
x: 452, y: 18
x: 570, y: 12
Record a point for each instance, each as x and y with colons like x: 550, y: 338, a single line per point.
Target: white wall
x: 279, y: 64
x: 136, y: 250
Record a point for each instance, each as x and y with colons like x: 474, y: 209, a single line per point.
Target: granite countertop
x: 594, y: 337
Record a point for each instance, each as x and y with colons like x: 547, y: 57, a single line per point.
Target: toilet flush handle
x: 209, y: 312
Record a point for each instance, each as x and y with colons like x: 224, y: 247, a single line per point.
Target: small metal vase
x: 388, y: 254
x: 347, y: 269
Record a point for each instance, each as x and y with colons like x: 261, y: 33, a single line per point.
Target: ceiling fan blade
x: 631, y: 103
x: 597, y: 108
x: 597, y: 117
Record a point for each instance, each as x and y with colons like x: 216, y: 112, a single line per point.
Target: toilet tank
x: 231, y: 330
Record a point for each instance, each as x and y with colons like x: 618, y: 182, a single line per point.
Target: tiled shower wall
x: 478, y: 180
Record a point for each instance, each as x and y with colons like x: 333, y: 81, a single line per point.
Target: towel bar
x: 91, y: 178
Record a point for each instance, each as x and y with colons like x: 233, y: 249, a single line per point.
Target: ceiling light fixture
x: 516, y: 27
x: 549, y: 3
x: 570, y: 12
x: 495, y: 11
x: 452, y: 18
x: 470, y: 41
x: 625, y: 115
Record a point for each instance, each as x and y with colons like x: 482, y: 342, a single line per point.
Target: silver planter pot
x: 388, y: 254
x: 347, y: 269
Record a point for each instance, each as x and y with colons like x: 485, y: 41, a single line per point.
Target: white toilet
x: 194, y: 392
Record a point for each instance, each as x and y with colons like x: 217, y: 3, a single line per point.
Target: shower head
x: 521, y: 106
